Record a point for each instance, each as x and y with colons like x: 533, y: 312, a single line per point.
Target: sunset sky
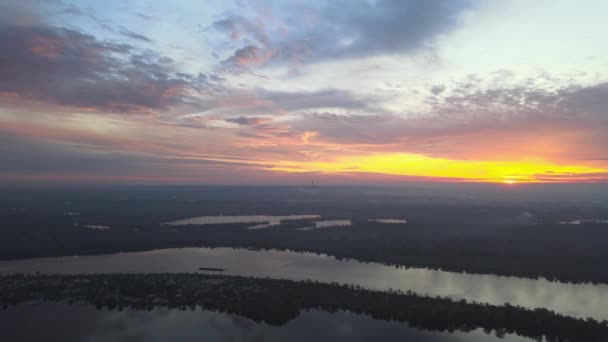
x: 286, y: 92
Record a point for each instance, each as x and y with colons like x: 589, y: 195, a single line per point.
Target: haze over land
x: 269, y: 92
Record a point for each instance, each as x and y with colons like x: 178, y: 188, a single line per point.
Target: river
x: 578, y: 300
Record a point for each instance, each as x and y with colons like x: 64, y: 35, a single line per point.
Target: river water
x: 52, y: 322
x: 578, y: 300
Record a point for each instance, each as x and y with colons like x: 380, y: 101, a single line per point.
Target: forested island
x: 278, y: 301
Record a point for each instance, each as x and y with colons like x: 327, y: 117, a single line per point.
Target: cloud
x: 375, y: 129
x: 26, y: 12
x: 325, y: 98
x: 60, y: 66
x: 347, y: 118
x: 144, y: 16
x: 525, y: 101
x: 477, y: 118
x: 389, y: 26
x: 238, y: 27
x: 26, y: 159
x: 130, y: 34
x: 280, y: 136
x: 436, y: 90
x: 304, y: 33
x: 585, y: 177
x: 248, y: 121
x: 246, y: 58
x: 51, y: 66
x: 259, y: 101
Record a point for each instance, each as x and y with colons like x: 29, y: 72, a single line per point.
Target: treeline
x: 278, y: 301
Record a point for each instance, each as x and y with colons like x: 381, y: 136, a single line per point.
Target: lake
x: 265, y: 221
x: 578, y: 300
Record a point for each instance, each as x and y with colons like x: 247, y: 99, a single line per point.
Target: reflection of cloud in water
x: 582, y: 221
x: 94, y: 226
x: 581, y: 300
x: 388, y: 221
x: 84, y: 323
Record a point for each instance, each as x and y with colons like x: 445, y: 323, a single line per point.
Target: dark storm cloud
x: 344, y: 29
x: 60, y: 66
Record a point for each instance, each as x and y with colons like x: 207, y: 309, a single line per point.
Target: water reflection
x: 328, y: 224
x: 62, y: 322
x: 94, y: 226
x: 389, y: 221
x: 579, y: 300
x: 581, y: 221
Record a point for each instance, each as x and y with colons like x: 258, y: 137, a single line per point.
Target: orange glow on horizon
x: 407, y: 164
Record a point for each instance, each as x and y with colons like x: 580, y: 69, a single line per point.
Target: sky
x: 290, y: 92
